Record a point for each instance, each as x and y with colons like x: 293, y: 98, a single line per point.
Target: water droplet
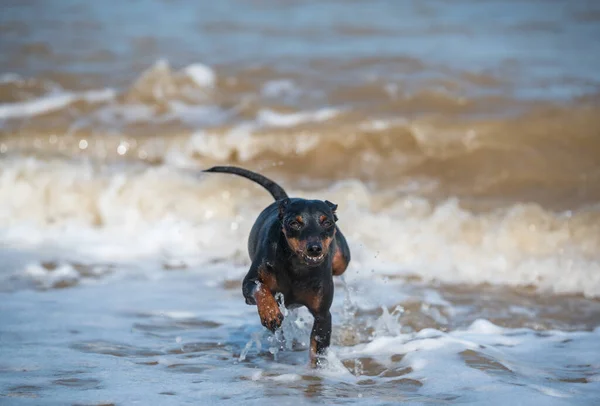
x: 122, y: 148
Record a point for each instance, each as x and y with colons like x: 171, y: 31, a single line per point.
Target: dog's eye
x: 295, y: 224
x: 326, y: 223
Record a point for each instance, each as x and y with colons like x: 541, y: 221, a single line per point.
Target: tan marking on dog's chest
x: 311, y: 299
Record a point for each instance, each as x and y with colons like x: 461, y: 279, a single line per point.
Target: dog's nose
x: 314, y: 250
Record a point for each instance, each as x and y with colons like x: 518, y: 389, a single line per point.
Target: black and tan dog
x: 295, y: 248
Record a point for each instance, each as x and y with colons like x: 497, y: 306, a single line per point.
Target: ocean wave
x: 198, y: 115
x: 53, y: 102
x: 163, y: 212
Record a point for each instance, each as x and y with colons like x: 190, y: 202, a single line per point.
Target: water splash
x: 292, y: 336
x: 388, y: 324
x: 255, y: 340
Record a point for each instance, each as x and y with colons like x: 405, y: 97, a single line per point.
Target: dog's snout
x: 314, y: 249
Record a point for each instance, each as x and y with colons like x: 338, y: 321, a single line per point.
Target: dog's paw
x: 270, y: 317
x: 318, y: 360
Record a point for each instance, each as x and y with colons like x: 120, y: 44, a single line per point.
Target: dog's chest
x: 299, y: 292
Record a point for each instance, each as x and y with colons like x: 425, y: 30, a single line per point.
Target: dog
x: 296, y: 248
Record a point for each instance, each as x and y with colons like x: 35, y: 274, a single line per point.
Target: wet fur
x: 279, y: 264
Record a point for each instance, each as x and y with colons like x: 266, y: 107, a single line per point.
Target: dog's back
x: 265, y: 229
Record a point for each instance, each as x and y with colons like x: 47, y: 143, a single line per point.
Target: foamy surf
x: 270, y: 118
x: 53, y: 102
x: 481, y: 358
x: 146, y: 211
x: 198, y: 115
x: 172, y: 346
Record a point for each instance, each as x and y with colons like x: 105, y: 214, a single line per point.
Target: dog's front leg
x: 320, y: 336
x: 318, y: 301
x: 258, y: 287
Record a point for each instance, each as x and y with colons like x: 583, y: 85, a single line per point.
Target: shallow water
x: 460, y: 139
x: 177, y: 338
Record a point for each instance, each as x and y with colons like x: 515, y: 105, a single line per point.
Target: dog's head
x: 309, y: 228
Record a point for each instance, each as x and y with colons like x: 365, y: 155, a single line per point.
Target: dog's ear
x: 283, y: 204
x: 333, y: 208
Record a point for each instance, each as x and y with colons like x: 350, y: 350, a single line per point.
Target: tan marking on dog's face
x: 326, y: 222
x: 297, y: 245
x: 326, y: 243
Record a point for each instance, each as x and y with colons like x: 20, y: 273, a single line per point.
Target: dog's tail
x: 276, y: 191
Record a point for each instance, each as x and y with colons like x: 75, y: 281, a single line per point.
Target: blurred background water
x: 460, y: 139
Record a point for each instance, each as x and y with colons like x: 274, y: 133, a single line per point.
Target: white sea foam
x: 53, y: 102
x: 196, y: 116
x: 144, y: 212
x: 62, y: 275
x: 201, y: 74
x: 382, y: 125
x: 41, y: 105
x: 97, y: 96
x: 481, y: 363
x: 238, y: 139
x: 244, y: 143
x: 271, y: 118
